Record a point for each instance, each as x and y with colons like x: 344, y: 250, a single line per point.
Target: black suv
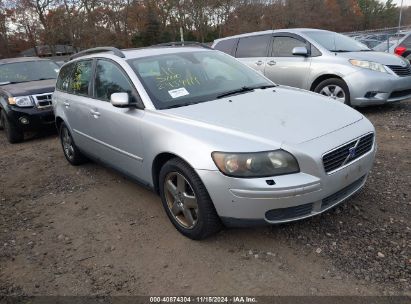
x: 26, y: 86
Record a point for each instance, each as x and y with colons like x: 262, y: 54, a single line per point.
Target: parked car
x: 218, y: 141
x: 400, y: 46
x: 371, y: 43
x: 324, y: 62
x: 26, y: 86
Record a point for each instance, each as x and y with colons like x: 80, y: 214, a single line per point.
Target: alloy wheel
x: 181, y: 200
x: 334, y: 91
x: 67, y: 144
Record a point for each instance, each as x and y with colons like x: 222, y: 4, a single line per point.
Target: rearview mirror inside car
x: 120, y: 99
x: 300, y: 51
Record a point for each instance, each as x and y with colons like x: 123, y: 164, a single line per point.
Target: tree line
x: 135, y: 23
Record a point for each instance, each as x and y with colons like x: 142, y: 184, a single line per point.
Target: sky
x: 398, y: 2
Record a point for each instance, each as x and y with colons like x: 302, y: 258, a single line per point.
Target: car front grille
x: 400, y: 70
x: 43, y: 100
x: 400, y: 94
x: 348, y: 153
x: 283, y: 214
x: 343, y: 193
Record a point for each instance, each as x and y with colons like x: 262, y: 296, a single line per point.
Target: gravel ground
x: 88, y: 231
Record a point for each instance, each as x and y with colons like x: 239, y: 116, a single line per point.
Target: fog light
x: 371, y: 94
x: 24, y: 121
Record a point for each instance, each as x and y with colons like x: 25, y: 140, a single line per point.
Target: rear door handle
x: 96, y: 114
x: 272, y: 62
x: 259, y: 62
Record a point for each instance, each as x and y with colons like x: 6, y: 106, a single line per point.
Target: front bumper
x: 387, y: 88
x: 245, y: 202
x: 34, y: 117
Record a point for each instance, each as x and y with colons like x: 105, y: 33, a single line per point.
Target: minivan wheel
x: 13, y: 133
x: 334, y: 88
x: 186, y: 201
x: 71, y: 152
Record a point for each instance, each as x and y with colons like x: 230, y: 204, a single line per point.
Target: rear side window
x: 64, y: 78
x: 283, y: 46
x: 80, y: 78
x: 253, y: 46
x: 407, y: 42
x: 227, y: 46
x: 110, y: 79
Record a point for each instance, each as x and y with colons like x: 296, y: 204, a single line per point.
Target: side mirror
x: 300, y: 51
x: 120, y: 100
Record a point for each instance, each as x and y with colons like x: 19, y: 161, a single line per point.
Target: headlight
x: 21, y: 101
x: 259, y: 164
x: 374, y: 66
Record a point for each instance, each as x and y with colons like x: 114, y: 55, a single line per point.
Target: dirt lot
x: 87, y: 230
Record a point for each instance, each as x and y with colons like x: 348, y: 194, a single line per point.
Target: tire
x: 333, y: 84
x: 71, y: 152
x: 13, y: 133
x: 192, y: 199
x: 1, y: 121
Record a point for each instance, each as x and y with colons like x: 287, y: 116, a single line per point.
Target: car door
x: 285, y: 68
x: 77, y: 101
x: 116, y: 132
x: 253, y: 51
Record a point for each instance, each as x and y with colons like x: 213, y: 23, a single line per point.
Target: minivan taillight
x: 399, y: 50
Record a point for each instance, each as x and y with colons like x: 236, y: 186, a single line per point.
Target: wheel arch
x: 321, y: 78
x: 59, y: 121
x: 158, y: 163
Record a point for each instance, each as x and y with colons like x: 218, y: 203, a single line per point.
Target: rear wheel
x: 71, y: 152
x: 13, y: 133
x: 334, y: 88
x: 186, y: 201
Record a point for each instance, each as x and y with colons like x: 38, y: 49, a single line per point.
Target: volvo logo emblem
x: 352, y: 152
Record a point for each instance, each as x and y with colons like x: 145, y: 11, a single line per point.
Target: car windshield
x: 335, y: 42
x: 28, y: 71
x: 184, y: 78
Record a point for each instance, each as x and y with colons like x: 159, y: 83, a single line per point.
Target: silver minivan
x: 324, y: 62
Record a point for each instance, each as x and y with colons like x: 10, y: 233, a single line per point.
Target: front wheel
x: 334, y: 88
x: 186, y: 201
x: 13, y: 133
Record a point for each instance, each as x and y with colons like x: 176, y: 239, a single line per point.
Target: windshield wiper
x: 341, y: 51
x: 181, y: 105
x: 241, y: 90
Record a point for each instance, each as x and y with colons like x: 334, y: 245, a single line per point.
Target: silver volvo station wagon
x: 219, y: 142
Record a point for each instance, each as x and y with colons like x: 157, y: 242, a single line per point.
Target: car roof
x: 21, y: 59
x: 291, y: 30
x: 154, y: 51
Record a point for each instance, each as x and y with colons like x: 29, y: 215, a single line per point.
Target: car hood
x: 29, y: 88
x: 379, y: 57
x: 282, y: 115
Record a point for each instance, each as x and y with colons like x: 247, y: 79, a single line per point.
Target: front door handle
x: 259, y: 62
x: 272, y: 62
x: 96, y: 114
x: 66, y: 104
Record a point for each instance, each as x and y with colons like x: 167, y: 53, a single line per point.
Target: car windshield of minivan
x: 338, y: 43
x: 185, y: 78
x: 28, y: 71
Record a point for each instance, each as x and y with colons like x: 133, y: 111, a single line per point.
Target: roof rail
x: 102, y: 49
x: 182, y: 43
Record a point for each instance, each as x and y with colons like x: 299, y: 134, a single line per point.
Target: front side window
x: 80, y: 78
x: 253, y: 46
x: 283, y: 46
x: 28, y: 71
x: 179, y: 79
x: 64, y: 78
x: 110, y: 79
